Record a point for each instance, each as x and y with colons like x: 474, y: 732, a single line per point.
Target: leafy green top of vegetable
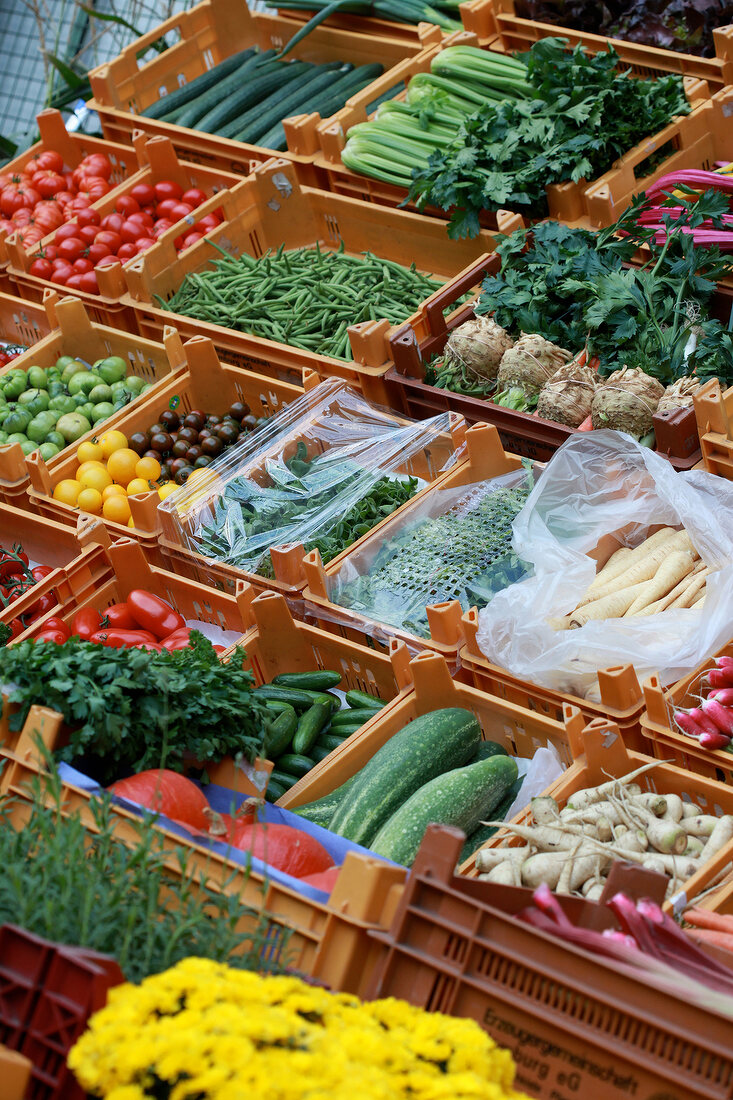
x: 129, y: 709
x: 586, y: 115
x: 87, y: 888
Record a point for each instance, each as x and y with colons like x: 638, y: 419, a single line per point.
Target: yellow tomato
x: 121, y: 465
x: 90, y: 500
x: 90, y: 464
x: 95, y: 478
x: 113, y: 491
x: 148, y: 468
x: 137, y: 486
x: 131, y: 522
x: 67, y: 491
x: 89, y: 452
x: 117, y: 509
x: 166, y: 489
x: 111, y: 441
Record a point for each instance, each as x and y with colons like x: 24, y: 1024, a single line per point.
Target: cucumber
x: 181, y: 96
x: 223, y: 90
x: 309, y: 726
x: 321, y: 680
x: 487, y: 749
x: 330, y: 741
x: 479, y: 836
x: 261, y: 91
x: 238, y: 91
x: 275, y: 790
x: 345, y: 729
x: 358, y: 699
x: 462, y: 798
x: 269, y: 692
x: 349, y: 717
x: 322, y: 810
x: 294, y: 764
x: 280, y: 733
x: 425, y: 748
x: 282, y: 779
x: 332, y: 701
x: 320, y: 752
x: 277, y: 707
x: 260, y: 119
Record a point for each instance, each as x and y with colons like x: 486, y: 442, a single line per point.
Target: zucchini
x: 238, y: 92
x: 320, y: 680
x: 259, y: 91
x: 487, y: 749
x: 294, y: 764
x: 462, y: 798
x: 204, y: 103
x: 181, y: 96
x: 280, y: 733
x: 330, y: 741
x: 262, y: 118
x: 310, y: 725
x: 275, y: 790
x: 425, y: 748
x: 360, y: 699
x: 349, y: 717
x: 322, y: 810
x: 298, y: 699
x: 479, y: 836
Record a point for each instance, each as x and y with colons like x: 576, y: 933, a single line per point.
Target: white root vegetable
x: 642, y: 568
x: 694, y: 847
x: 488, y: 858
x: 700, y: 603
x: 702, y: 825
x: 674, y: 806
x: 693, y: 591
x: 721, y: 835
x: 666, y: 836
x: 669, y: 573
x: 504, y: 873
x: 590, y: 795
x: 690, y: 809
x: 655, y: 803
x: 566, y: 875
x: 544, y: 810
x: 613, y: 605
x: 632, y: 842
x: 601, y: 811
x: 663, y: 603
x: 595, y: 892
x: 626, y: 557
x: 548, y: 867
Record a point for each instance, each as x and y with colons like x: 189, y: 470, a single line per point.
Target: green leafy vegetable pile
x: 249, y: 518
x: 464, y: 554
x: 129, y: 709
x: 586, y: 115
x: 572, y: 287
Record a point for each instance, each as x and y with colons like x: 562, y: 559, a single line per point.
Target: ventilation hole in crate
x: 332, y: 228
x: 442, y: 994
x: 28, y: 331
x: 456, y: 949
x: 209, y: 59
x: 255, y: 243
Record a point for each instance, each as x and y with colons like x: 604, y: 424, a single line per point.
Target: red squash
x: 283, y: 847
x: 323, y: 880
x: 167, y: 793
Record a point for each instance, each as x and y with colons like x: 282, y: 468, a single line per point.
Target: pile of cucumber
x: 246, y: 97
x: 308, y: 722
x: 437, y: 769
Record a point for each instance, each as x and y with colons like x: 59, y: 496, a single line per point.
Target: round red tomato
x: 96, y: 164
x: 109, y: 238
x: 126, y: 251
x: 48, y: 183
x: 161, y: 226
x: 106, y: 261
x: 210, y: 221
x: 164, y: 208
x: 89, y: 282
x: 82, y: 265
x: 71, y: 248
x: 64, y: 232
x: 112, y: 221
x: 50, y: 160
x: 63, y: 198
x: 22, y: 216
x: 88, y: 216
x: 194, y: 197
x: 79, y: 202
x: 87, y: 233
x: 168, y: 189
x: 181, y: 210
x: 98, y: 251
x: 41, y: 268
x: 127, y: 205
x: 73, y: 282
x: 143, y: 244
x: 15, y: 196
x: 191, y: 239
x: 50, y: 252
x: 61, y: 274
x: 143, y: 193
x: 131, y: 231
x: 95, y: 187
x: 142, y: 218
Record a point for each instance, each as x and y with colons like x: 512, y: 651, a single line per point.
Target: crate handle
x: 50, y: 301
x: 244, y: 595
x: 710, y: 409
x: 90, y: 531
x: 130, y: 565
x: 447, y: 295
x: 175, y: 22
x: 399, y: 655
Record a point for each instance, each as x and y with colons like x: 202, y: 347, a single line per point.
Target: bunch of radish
x: 711, y: 724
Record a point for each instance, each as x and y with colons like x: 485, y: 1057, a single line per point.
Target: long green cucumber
x: 239, y: 92
x: 280, y: 733
x: 260, y: 121
x: 488, y: 749
x: 310, y: 725
x: 292, y: 763
x: 301, y: 700
x: 318, y: 680
x: 223, y: 91
x: 349, y: 717
x: 331, y: 741
x: 332, y: 701
x: 361, y: 700
x: 479, y: 836
x: 264, y: 91
x: 188, y: 92
x: 321, y: 810
x: 428, y: 746
x: 462, y: 798
x: 275, y: 789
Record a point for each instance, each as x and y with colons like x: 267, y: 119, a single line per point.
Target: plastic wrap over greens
x: 455, y: 544
x: 322, y: 472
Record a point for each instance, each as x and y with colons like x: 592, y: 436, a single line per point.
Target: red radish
x: 720, y: 677
x: 687, y: 724
x: 702, y: 719
x: 168, y: 793
x: 323, y: 880
x: 723, y: 695
x: 720, y: 715
x: 283, y: 847
x: 724, y: 662
x: 714, y: 740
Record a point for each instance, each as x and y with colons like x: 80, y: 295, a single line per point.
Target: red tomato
x: 161, y: 226
x: 142, y: 219
x: 152, y: 647
x: 21, y: 217
x: 168, y: 793
x: 119, y: 616
x: 42, y: 606
x: 29, y: 235
x: 15, y: 196
x: 88, y: 234
x: 126, y: 251
x: 96, y: 164
x: 40, y: 571
x: 80, y: 201
x: 154, y: 614
x: 83, y: 265
x: 173, y: 644
x: 68, y: 230
x: 50, y: 252
x: 149, y: 209
x: 127, y: 205
x: 86, y: 622
x: 131, y: 231
x: 191, y: 239
x: 95, y: 187
x: 97, y: 251
x: 48, y: 183
x: 110, y: 238
x: 71, y: 248
x: 89, y: 216
x: 167, y: 189
x: 49, y: 215
x: 41, y: 268
x: 210, y: 221
x: 74, y: 281
x: 281, y: 846
x: 56, y: 624
x: 181, y: 210
x: 163, y: 209
x: 178, y: 243
x: 194, y: 197
x: 106, y: 261
x: 143, y: 194
x: 116, y: 638
x: 61, y: 274
x: 143, y: 245
x: 113, y: 222
x: 64, y: 198
x: 51, y: 637
x: 49, y: 159
x: 89, y: 283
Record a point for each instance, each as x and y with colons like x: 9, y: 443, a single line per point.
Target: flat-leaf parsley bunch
x: 204, y: 1031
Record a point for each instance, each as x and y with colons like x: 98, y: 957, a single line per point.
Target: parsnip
x: 702, y: 825
x: 674, y: 806
x: 694, y: 847
x: 626, y: 557
x: 488, y: 858
x: 722, y: 834
x: 700, y: 603
x: 663, y: 603
x: 595, y: 891
x: 544, y: 810
x: 656, y: 803
x: 642, y: 568
x: 591, y: 795
x: 504, y: 873
x: 611, y: 606
x: 690, y: 809
x: 548, y: 867
x: 692, y: 592
x: 669, y: 573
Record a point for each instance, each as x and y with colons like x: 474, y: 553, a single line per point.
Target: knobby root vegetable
x: 529, y: 364
x: 627, y: 401
x: 544, y: 810
x: 721, y: 835
x: 477, y: 346
x: 642, y: 568
x: 567, y: 396
x: 667, y: 576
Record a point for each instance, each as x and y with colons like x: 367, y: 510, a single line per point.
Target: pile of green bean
x: 304, y: 297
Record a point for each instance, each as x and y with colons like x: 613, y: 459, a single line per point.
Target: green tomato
x: 38, y: 429
x: 37, y: 378
x: 119, y: 388
x: 53, y: 374
x: 72, y: 426
x: 57, y: 439
x: 87, y: 411
x: 112, y: 369
x: 17, y: 421
x: 79, y: 399
x: 3, y: 438
x: 63, y: 403
x: 17, y: 437
x: 13, y: 387
x: 134, y: 384
x: 102, y: 411
x: 83, y: 383
x: 49, y: 450
x: 56, y: 388
x: 28, y: 448
x: 72, y: 368
x: 101, y: 392
x: 146, y: 387
x: 64, y: 361
x: 34, y: 400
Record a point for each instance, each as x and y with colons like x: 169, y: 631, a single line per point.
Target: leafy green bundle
x: 130, y: 709
x: 575, y: 288
x: 586, y: 115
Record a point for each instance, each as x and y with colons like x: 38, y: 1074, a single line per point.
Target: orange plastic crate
x: 695, y: 140
x: 577, y: 1025
x: 714, y: 411
x: 599, y: 753
x: 485, y: 459
x: 476, y: 16
x: 521, y: 732
x: 16, y: 1073
x: 207, y: 35
x: 328, y: 941
x: 269, y: 210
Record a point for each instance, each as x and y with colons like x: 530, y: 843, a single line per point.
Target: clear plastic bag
x: 304, y: 473
x: 599, y: 484
x: 452, y: 544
